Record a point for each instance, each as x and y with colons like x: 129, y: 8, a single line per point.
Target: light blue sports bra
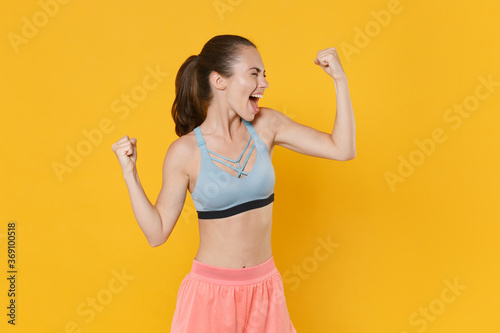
x: 219, y: 194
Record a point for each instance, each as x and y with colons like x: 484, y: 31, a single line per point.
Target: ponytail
x: 193, y: 93
x: 188, y: 108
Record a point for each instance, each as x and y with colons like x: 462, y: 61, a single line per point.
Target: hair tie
x: 197, y: 58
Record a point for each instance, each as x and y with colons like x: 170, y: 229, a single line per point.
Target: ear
x: 218, y: 81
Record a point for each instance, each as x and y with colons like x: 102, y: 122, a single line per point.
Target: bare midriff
x: 238, y: 241
x: 241, y: 240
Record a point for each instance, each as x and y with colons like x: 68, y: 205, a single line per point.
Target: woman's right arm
x: 156, y: 221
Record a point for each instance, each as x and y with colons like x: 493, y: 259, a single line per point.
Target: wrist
x: 130, y: 174
x: 340, y: 78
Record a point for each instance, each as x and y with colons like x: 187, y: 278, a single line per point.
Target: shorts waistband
x: 233, y: 276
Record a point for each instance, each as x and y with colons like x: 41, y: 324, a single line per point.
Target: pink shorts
x: 232, y: 300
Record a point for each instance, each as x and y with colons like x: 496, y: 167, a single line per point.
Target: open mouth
x: 254, y: 101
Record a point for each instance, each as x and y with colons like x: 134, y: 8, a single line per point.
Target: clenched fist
x: 329, y: 61
x: 126, y: 151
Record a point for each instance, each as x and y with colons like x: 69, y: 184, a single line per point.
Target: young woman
x: 223, y: 158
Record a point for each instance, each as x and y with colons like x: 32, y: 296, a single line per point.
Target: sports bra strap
x: 199, y: 137
x: 250, y: 128
x: 201, y: 141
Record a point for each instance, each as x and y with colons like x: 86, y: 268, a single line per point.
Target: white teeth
x: 257, y: 95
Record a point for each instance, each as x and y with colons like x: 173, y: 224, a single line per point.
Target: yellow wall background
x: 412, y: 222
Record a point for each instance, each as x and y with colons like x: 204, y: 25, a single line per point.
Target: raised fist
x: 126, y: 151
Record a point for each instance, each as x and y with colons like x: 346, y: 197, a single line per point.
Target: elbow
x: 159, y: 236
x: 152, y: 244
x: 351, y: 156
x: 343, y: 152
x: 346, y: 156
x: 156, y: 242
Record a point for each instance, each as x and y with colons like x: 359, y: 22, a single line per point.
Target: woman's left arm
x: 341, y: 143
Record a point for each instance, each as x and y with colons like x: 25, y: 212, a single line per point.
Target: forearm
x: 344, y: 129
x: 146, y: 214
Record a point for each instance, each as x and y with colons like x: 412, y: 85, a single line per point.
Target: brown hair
x: 193, y: 93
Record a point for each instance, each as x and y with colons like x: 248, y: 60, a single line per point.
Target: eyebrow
x: 258, y: 69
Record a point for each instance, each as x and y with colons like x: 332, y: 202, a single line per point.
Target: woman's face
x: 247, y: 84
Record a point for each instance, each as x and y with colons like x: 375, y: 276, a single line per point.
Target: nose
x: 263, y: 83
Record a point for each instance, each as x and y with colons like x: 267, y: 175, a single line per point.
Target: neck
x: 221, y: 121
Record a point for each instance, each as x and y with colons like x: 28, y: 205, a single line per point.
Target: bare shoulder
x: 271, y: 118
x: 266, y: 115
x: 269, y: 121
x: 180, y: 151
x: 266, y: 124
